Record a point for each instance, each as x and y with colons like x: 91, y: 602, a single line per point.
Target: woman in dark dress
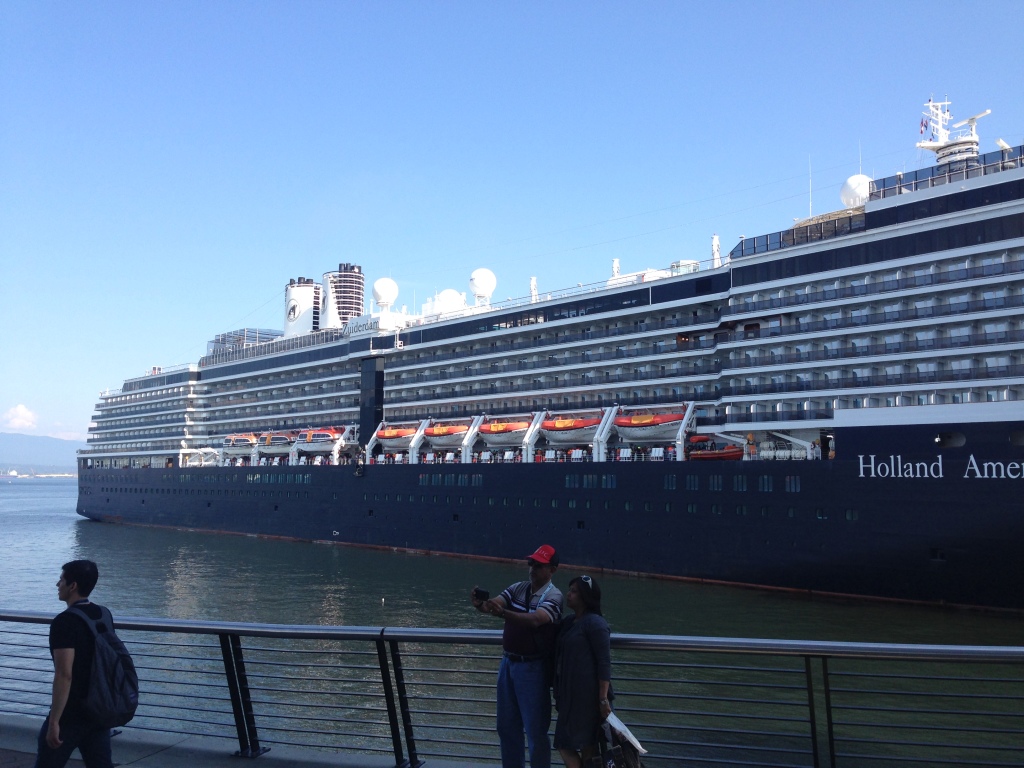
x: 582, y: 673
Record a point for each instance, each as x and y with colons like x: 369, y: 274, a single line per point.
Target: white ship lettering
x: 993, y: 470
x: 894, y: 466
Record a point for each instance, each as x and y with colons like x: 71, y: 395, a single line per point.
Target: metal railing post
x: 389, y: 700
x: 810, y: 711
x: 241, y: 701
x: 403, y: 703
x: 828, y: 712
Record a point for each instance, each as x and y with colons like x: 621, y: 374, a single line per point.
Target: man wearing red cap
x: 531, y: 610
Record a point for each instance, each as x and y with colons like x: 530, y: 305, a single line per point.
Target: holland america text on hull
x: 834, y: 407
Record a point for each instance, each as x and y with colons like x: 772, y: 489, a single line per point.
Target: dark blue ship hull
x: 899, y: 513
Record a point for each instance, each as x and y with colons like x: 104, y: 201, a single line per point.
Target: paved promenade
x: 145, y: 749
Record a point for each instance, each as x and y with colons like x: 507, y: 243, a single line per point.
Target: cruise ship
x: 834, y: 408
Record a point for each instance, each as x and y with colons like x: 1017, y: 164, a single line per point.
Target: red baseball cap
x: 544, y: 554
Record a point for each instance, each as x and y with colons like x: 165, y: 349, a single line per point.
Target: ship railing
x: 414, y: 694
x: 766, y: 359
x: 873, y: 289
x: 926, y: 178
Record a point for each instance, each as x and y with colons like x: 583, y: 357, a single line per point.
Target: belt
x: 520, y: 657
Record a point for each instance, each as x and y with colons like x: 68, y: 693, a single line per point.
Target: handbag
x: 614, y: 751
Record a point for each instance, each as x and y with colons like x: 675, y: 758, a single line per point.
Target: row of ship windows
x: 281, y: 478
x: 692, y: 508
x: 765, y: 483
x: 208, y: 492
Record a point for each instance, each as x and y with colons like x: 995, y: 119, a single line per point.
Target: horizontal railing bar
x: 940, y: 678
x: 918, y: 711
x: 350, y: 720
x: 336, y: 707
x: 314, y: 745
x: 354, y: 693
x: 930, y: 694
x: 929, y: 761
x: 802, y: 648
x: 930, y: 744
x: 933, y: 727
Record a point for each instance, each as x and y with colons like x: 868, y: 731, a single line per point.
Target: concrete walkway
x: 145, y: 749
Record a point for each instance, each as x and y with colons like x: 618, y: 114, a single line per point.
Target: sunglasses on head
x: 588, y: 581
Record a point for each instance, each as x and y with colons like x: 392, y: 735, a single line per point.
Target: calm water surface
x: 157, y: 573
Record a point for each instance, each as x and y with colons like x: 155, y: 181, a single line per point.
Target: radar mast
x: 950, y: 147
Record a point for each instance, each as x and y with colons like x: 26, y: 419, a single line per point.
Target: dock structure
x: 370, y: 697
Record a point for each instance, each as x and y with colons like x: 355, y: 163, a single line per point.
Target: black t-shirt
x: 69, y: 630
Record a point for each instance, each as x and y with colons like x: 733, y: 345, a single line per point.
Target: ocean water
x: 189, y: 575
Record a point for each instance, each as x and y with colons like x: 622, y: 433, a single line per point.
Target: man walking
x: 68, y: 727
x: 531, y: 610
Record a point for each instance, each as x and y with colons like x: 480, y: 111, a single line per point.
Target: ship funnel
x: 343, y: 295
x: 301, y: 307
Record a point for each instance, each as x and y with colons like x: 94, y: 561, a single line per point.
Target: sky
x: 167, y: 167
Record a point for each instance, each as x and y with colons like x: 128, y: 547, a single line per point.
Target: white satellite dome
x: 385, y: 291
x: 449, y: 300
x: 482, y: 284
x: 855, y: 191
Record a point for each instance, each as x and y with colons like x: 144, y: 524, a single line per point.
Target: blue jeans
x: 92, y: 742
x: 524, y: 703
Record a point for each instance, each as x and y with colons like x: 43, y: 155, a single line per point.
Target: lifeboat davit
x: 446, y: 435
x: 570, y: 431
x: 396, y: 438
x: 647, y: 427
x: 503, y: 434
x: 703, y: 448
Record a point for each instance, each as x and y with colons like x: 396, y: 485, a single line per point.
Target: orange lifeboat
x: 396, y: 438
x: 570, y: 430
x: 644, y: 427
x: 319, y: 435
x: 703, y: 448
x: 276, y: 442
x: 446, y: 435
x: 499, y: 434
x: 240, y: 444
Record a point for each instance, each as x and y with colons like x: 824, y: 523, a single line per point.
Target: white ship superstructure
x: 910, y: 297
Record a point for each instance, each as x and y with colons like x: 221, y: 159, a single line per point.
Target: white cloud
x: 19, y: 417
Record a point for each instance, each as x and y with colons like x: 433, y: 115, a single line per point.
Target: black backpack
x: 113, y: 693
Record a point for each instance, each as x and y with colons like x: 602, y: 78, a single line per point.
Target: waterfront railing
x: 416, y: 694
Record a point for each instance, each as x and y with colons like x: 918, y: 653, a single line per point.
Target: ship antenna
x: 810, y: 190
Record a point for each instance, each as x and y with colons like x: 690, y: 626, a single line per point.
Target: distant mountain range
x: 32, y: 454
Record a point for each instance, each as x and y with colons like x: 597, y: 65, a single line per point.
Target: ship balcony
x: 981, y: 374
x: 885, y: 318
x: 653, y: 351
x: 106, y: 425
x: 334, y: 379
x: 829, y: 295
x: 701, y: 319
x: 851, y: 352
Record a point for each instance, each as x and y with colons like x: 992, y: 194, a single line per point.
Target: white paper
x: 618, y: 725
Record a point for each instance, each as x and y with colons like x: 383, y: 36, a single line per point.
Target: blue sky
x: 166, y: 167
